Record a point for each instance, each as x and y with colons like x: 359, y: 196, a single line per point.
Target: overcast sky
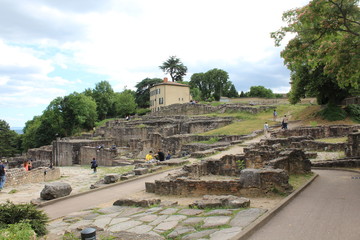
x: 51, y: 48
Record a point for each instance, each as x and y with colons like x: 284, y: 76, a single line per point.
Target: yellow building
x: 167, y: 93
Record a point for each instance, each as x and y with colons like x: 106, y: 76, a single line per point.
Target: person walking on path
x: 274, y: 115
x: 285, y: 122
x: 266, y: 129
x: 2, y: 175
x: 94, y: 164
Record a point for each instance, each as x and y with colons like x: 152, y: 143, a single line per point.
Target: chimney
x: 165, y: 79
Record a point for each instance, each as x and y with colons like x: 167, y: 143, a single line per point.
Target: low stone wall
x: 347, y: 163
x: 309, y: 145
x: 18, y: 176
x: 318, y: 132
x: 198, y: 109
x: 252, y: 182
x: 353, y: 145
x: 293, y: 161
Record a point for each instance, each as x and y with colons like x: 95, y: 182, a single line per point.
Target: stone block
x: 137, y: 202
x: 55, y: 190
x: 111, y: 178
x: 141, y: 171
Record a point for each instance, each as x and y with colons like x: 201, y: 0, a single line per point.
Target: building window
x: 161, y: 100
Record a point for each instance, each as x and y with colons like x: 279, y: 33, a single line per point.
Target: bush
x: 333, y: 113
x: 354, y: 111
x: 12, y: 214
x: 17, y: 231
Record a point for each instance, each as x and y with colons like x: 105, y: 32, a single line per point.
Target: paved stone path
x: 327, y: 209
x: 158, y: 222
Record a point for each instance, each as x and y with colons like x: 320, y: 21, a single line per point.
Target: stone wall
x: 66, y: 152
x: 318, y: 132
x: 309, y: 145
x: 199, y: 109
x: 353, y: 145
x: 43, y: 153
x: 18, y: 176
x: 103, y: 156
x: 294, y: 161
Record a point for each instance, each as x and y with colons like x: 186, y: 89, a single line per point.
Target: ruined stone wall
x: 199, y: 109
x: 43, y: 153
x: 309, y: 145
x: 294, y: 161
x: 318, y: 132
x: 18, y: 176
x: 67, y: 152
x: 353, y: 145
x: 252, y: 182
x: 103, y: 156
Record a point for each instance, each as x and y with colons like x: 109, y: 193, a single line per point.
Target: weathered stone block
x: 55, y: 190
x: 137, y: 202
x: 111, y: 178
x: 141, y: 171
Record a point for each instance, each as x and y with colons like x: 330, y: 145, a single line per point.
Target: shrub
x: 333, y: 113
x: 354, y: 111
x: 17, y: 231
x: 11, y: 213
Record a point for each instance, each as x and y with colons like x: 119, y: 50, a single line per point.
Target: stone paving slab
x: 159, y: 222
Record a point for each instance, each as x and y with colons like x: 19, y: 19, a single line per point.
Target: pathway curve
x: 327, y: 209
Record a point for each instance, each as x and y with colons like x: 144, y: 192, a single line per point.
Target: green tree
x: 30, y: 136
x: 142, y: 94
x: 232, y: 92
x: 175, y: 68
x: 260, y: 91
x: 199, y: 81
x: 218, y: 79
x: 326, y: 43
x: 103, y: 95
x: 124, y: 104
x: 8, y: 140
x: 79, y: 112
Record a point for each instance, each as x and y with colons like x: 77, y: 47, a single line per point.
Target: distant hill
x: 18, y: 130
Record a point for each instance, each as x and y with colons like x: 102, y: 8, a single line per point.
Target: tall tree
x: 103, y: 95
x: 261, y: 91
x: 175, y: 68
x: 326, y: 42
x: 8, y: 140
x: 124, y: 103
x: 142, y: 95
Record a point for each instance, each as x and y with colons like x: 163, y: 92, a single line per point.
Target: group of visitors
x: 284, y: 123
x: 159, y: 156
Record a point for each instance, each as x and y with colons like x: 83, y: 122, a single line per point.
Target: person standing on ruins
x: 274, y: 115
x: 266, y: 129
x: 2, y: 175
x: 285, y: 122
x: 94, y: 165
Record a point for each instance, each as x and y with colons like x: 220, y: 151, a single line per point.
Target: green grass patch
x: 103, y: 122
x: 115, y: 170
x: 333, y: 140
x: 12, y: 191
x: 141, y: 126
x: 297, y: 180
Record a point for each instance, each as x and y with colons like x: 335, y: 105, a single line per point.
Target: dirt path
x: 327, y: 209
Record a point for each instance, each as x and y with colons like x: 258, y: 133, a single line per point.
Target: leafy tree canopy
x: 175, y: 68
x: 142, y: 94
x: 326, y: 43
x: 260, y: 91
x: 124, y: 104
x: 8, y: 140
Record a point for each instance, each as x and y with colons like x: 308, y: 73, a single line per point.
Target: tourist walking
x: 266, y: 129
x: 94, y: 165
x: 285, y: 122
x: 275, y: 115
x: 2, y: 175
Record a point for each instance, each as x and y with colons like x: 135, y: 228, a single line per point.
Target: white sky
x: 53, y: 48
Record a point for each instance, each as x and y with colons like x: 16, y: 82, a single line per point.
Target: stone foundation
x: 353, y: 145
x: 18, y: 176
x: 318, y: 132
